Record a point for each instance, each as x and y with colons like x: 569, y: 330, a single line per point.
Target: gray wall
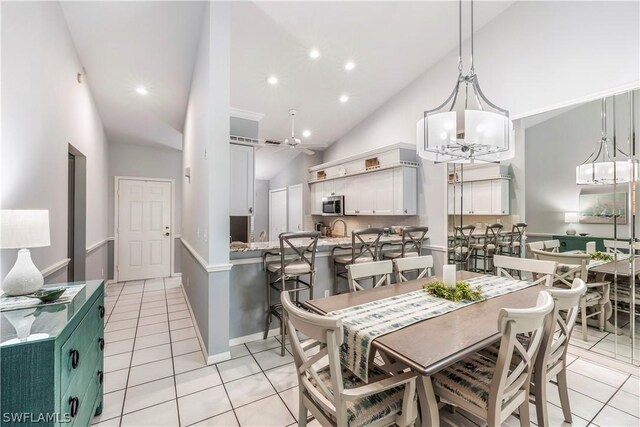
x: 261, y: 213
x: 553, y: 149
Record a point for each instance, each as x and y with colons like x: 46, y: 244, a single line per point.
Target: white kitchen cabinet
x: 485, y: 197
x: 381, y: 184
x: 315, y: 194
x: 242, y: 177
x: 500, y: 197
x: 361, y: 194
x: 405, y: 191
x: 334, y: 187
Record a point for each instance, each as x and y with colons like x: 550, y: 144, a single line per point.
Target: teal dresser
x: 54, y: 376
x: 579, y: 243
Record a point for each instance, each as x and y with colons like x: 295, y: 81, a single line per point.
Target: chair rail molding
x: 209, y: 268
x: 48, y: 271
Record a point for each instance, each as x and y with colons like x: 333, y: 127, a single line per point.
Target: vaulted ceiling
x: 124, y: 45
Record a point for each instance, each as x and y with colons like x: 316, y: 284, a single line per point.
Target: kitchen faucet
x: 333, y: 224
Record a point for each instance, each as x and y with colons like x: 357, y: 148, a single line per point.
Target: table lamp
x: 571, y: 218
x: 22, y: 229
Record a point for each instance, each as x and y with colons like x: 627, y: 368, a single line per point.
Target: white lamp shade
x: 571, y: 217
x: 606, y: 173
x: 21, y: 228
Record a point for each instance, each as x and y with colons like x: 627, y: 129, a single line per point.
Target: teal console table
x: 53, y: 377
x: 579, y: 243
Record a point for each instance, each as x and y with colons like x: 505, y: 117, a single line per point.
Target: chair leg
x: 283, y: 325
x: 524, y: 411
x: 601, y: 317
x: 302, y: 411
x: 583, y: 319
x: 268, y: 322
x: 540, y: 391
x: 563, y: 390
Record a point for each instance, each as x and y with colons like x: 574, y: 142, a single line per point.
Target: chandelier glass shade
x: 466, y: 127
x: 603, y: 168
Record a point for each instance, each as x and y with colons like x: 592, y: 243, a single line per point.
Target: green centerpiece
x: 462, y: 291
x: 601, y: 256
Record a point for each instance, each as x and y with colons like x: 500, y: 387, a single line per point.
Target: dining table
x: 430, y: 345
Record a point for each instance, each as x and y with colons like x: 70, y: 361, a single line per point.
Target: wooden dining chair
x: 492, y: 389
x: 542, y: 271
x: 334, y: 395
x: 423, y: 265
x: 534, y: 246
x: 411, y: 245
x: 575, y: 265
x: 617, y: 246
x: 552, y: 245
x: 357, y: 273
x: 551, y: 361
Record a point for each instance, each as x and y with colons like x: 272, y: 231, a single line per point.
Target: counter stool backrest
x: 517, y: 232
x: 462, y: 235
x: 542, y: 271
x: 368, y: 247
x: 291, y: 251
x: 412, y: 238
x: 491, y: 234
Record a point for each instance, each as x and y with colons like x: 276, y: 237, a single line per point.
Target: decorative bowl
x: 47, y: 294
x: 584, y: 234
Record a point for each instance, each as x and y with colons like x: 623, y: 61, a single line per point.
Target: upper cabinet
x: 484, y: 197
x: 242, y: 174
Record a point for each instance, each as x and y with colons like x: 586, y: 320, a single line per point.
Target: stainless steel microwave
x: 333, y: 206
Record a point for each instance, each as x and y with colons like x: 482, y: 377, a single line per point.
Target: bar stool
x: 411, y: 246
x: 513, y: 245
x: 369, y: 241
x: 460, y: 246
x: 297, y: 258
x: 488, y: 247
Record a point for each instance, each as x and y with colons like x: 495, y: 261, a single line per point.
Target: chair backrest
x: 542, y: 271
x: 508, y: 381
x: 615, y: 246
x: 422, y: 264
x: 534, y: 246
x: 517, y: 232
x: 491, y: 234
x: 327, y: 336
x: 369, y: 241
x: 368, y: 270
x: 412, y: 238
x: 462, y: 235
x: 552, y: 245
x: 557, y: 334
x: 292, y: 250
x: 570, y: 265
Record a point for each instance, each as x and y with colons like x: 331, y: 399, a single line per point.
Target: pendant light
x: 466, y: 127
x: 601, y: 168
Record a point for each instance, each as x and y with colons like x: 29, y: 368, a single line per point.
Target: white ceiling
x: 391, y: 43
x: 126, y: 44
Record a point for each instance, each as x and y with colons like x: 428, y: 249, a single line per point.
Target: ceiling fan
x: 293, y: 143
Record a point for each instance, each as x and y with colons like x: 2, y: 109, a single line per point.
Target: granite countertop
x: 323, y: 242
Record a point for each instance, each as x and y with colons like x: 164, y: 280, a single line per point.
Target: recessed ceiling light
x: 314, y: 54
x: 272, y: 80
x: 349, y: 66
x: 344, y: 98
x: 142, y: 90
x: 306, y: 133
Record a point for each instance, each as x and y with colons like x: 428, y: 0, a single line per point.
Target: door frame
x: 116, y: 204
x: 275, y: 190
x: 301, y: 204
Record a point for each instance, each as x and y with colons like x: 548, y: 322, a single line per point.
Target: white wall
x: 532, y: 56
x: 261, y: 215
x: 44, y: 109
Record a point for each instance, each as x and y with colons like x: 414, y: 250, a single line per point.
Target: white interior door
x: 143, y: 228
x: 277, y: 213
x: 296, y: 208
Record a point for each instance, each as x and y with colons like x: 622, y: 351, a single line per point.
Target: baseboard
x: 601, y: 359
x: 176, y: 275
x: 252, y: 337
x: 217, y: 358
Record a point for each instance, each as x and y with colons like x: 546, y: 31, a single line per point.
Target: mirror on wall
x: 583, y: 217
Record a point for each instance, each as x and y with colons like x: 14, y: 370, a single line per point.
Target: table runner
x: 366, y: 322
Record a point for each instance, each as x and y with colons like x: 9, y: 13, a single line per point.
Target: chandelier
x: 603, y: 167
x: 466, y: 127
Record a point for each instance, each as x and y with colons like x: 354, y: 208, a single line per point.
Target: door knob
x: 167, y: 233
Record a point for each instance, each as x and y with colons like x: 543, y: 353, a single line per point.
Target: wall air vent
x: 235, y: 139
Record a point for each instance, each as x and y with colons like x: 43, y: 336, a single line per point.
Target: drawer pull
x: 100, y: 376
x: 74, y: 405
x: 74, y: 356
x: 101, y: 310
x: 101, y: 343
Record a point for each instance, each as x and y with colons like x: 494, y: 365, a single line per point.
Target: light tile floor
x: 155, y: 373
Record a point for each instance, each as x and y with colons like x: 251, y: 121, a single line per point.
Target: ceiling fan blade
x: 312, y: 145
x: 306, y: 151
x: 283, y: 147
